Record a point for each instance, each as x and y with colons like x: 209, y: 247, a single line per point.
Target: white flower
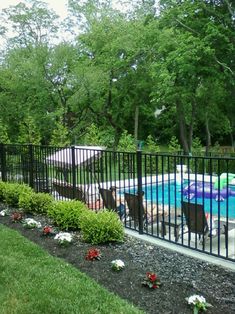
x: 117, y: 264
x: 63, y: 237
x: 3, y: 212
x: 31, y: 223
x: 199, y: 303
x: 194, y: 299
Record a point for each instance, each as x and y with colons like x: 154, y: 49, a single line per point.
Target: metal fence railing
x: 187, y: 200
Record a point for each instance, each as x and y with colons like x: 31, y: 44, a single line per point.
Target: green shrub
x: 174, y: 146
x: 12, y: 191
x: 67, y: 214
x: 102, y: 227
x: 2, y: 187
x: 35, y: 202
x: 126, y: 143
x: 151, y: 145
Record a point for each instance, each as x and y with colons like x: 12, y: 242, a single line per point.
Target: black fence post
x: 73, y: 170
x: 3, y: 162
x: 140, y: 192
x: 31, y: 166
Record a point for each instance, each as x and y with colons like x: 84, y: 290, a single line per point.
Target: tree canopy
x: 152, y: 73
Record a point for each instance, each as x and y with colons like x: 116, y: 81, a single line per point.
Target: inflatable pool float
x: 207, y: 190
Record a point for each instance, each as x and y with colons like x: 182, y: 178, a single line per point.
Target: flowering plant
x: 63, y: 238
x: 3, y: 212
x: 93, y: 254
x: 198, y: 302
x: 151, y: 281
x: 16, y: 216
x: 47, y: 231
x: 117, y: 264
x: 31, y: 223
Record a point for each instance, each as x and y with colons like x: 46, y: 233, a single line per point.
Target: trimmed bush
x: 35, y: 202
x: 102, y: 227
x: 67, y: 214
x: 12, y: 191
x: 2, y: 187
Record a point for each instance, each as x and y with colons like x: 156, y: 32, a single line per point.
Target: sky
x: 59, y: 6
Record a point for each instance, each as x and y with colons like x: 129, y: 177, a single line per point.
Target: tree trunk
x: 232, y: 139
x: 182, y: 128
x: 136, y: 122
x: 208, y: 134
x: 190, y: 140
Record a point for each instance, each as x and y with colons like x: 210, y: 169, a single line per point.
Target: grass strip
x: 32, y: 281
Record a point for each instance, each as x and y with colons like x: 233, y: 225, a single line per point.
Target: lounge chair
x: 133, y: 205
x: 110, y: 202
x: 151, y: 212
x: 197, y: 223
x: 65, y: 189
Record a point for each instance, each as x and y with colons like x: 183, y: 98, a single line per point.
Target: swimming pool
x: 172, y: 193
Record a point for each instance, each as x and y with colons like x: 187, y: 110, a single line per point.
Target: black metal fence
x: 187, y: 200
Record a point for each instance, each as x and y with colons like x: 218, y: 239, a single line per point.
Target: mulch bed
x: 181, y: 276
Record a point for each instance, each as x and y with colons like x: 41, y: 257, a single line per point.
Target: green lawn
x: 31, y: 281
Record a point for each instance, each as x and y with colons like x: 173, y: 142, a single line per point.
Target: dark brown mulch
x: 181, y: 276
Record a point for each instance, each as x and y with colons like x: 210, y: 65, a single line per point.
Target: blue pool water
x: 171, y: 193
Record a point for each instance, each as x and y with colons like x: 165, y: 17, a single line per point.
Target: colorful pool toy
x: 223, y: 180
x: 207, y: 190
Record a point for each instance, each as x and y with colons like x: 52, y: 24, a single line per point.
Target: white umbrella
x: 82, y: 155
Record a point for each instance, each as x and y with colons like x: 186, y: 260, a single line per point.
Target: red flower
x: 47, y: 230
x: 151, y: 281
x: 17, y: 216
x: 152, y: 277
x: 93, y: 254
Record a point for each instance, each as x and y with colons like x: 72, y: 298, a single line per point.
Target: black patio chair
x: 67, y: 190
x: 133, y: 204
x: 110, y: 201
x: 197, y: 223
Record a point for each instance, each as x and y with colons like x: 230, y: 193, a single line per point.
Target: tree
x: 28, y: 132
x: 116, y: 83
x: 59, y: 135
x: 33, y: 24
x: 192, y: 49
x: 3, y: 133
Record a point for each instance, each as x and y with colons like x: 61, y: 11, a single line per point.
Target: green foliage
x: 174, y: 145
x: 2, y: 187
x: 67, y: 214
x: 4, y: 138
x: 126, y: 142
x: 215, y: 148
x: 57, y: 286
x: 12, y: 192
x: 97, y: 137
x: 59, y: 135
x: 93, y: 136
x: 196, y: 145
x: 182, y: 61
x: 151, y: 161
x: 28, y: 132
x: 102, y: 227
x: 151, y: 146
x: 35, y: 202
